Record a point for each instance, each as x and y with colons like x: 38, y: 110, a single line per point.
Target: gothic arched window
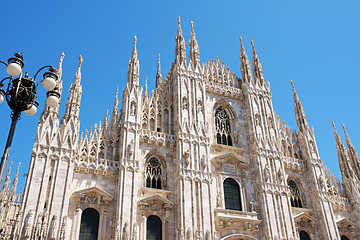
x: 343, y: 237
x: 154, y: 174
x: 89, y: 224
x: 304, y: 235
x: 222, y: 126
x: 153, y: 228
x: 232, y: 195
x: 295, y: 194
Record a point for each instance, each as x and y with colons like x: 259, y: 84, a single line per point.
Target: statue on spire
x: 257, y: 68
x: 180, y: 50
x: 245, y: 64
x: 194, y: 54
x: 133, y: 71
x: 158, y: 75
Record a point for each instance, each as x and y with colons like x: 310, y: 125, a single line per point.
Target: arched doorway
x: 89, y: 226
x: 304, y: 235
x: 153, y: 228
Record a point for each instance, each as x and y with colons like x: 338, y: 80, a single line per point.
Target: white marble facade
x: 175, y: 152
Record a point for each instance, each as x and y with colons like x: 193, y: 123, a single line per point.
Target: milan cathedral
x: 203, y: 157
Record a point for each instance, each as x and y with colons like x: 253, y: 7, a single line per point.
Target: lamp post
x: 20, y: 95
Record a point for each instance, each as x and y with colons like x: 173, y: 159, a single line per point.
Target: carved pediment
x: 156, y: 205
x: 344, y: 222
x: 93, y: 195
x: 231, y: 157
x: 304, y: 217
x: 229, y: 162
x: 158, y: 200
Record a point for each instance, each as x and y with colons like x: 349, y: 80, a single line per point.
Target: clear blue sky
x: 313, y: 43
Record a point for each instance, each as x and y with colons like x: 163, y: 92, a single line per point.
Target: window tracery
x: 295, y: 194
x: 155, y: 176
x: 222, y: 126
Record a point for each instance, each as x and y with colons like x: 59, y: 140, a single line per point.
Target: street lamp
x: 20, y: 95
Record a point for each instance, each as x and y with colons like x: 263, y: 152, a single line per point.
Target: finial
x: 159, y: 58
x: 146, y: 87
x: 17, y: 170
x: 333, y: 125
x: 292, y: 85
x: 241, y: 40
x: 344, y: 129
x: 192, y: 34
x: 61, y: 59
x: 80, y: 61
x: 9, y: 169
x: 179, y: 20
x: 135, y: 39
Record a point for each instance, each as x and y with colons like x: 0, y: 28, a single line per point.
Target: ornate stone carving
x: 63, y: 228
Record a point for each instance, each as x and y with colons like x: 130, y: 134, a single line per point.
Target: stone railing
x: 98, y: 166
x: 232, y: 219
x: 157, y: 138
x: 294, y: 164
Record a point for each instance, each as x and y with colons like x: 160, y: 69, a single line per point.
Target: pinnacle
x: 80, y: 62
x: 159, y: 63
x: 344, y: 129
x: 134, y: 52
x: 60, y: 62
x: 192, y: 34
x: 333, y: 125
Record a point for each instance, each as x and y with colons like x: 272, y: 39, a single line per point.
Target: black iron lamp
x: 20, y: 95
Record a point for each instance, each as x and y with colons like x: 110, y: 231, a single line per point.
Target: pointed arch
x: 155, y: 170
x: 224, y: 122
x: 296, y: 192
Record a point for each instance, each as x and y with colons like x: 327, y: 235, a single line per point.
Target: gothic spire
x: 58, y: 88
x: 345, y: 167
x: 115, y: 113
x: 6, y: 186
x: 194, y: 54
x: 353, y: 156
x: 133, y: 71
x: 158, y: 75
x: 244, y: 64
x: 299, y: 112
x: 257, y: 68
x: 74, y: 99
x: 14, y: 185
x: 59, y: 68
x: 180, y: 50
x: 146, y: 86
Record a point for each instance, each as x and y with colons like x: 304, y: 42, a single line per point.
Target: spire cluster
x: 299, y: 112
x: 349, y: 161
